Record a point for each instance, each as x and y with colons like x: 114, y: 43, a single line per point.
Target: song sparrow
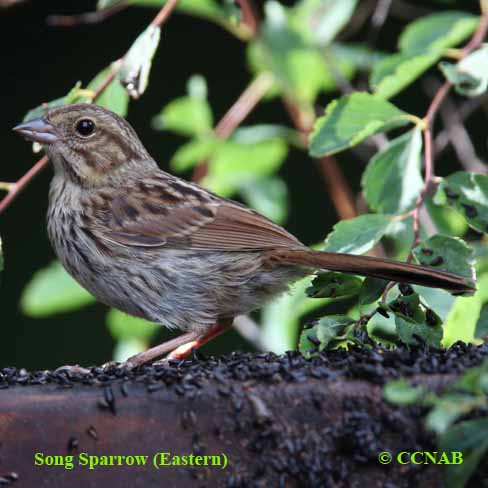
x: 158, y: 247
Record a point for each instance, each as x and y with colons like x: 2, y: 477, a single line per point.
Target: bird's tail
x: 379, y: 268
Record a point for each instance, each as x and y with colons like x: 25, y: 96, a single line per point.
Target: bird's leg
x: 183, y: 351
x: 179, y: 347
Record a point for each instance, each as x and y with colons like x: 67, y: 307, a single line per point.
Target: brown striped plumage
x: 157, y: 247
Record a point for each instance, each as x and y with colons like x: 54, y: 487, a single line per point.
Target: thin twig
x: 336, y: 184
x: 249, y: 15
x: 241, y: 108
x: 457, y: 133
x: 377, y: 20
x: 87, y: 17
x: 428, y: 122
x: 17, y: 187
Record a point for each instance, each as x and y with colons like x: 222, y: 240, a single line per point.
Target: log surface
x: 279, y: 420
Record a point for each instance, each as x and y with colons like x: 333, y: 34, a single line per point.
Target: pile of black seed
x: 374, y: 364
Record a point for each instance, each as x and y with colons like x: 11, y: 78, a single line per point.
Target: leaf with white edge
x: 351, y: 119
x: 357, y: 235
x: 261, y: 132
x: 400, y: 392
x: 392, y: 181
x: 324, y: 334
x: 468, y: 194
x: 470, y: 75
x: 52, y: 290
x: 371, y: 290
x: 334, y: 285
x: 470, y: 437
x: 189, y: 116
x: 437, y: 31
x: 134, y: 73
x: 446, y: 253
x: 74, y: 95
x: 103, y: 4
x: 393, y: 73
x: 421, y: 45
x: 321, y: 20
x: 190, y: 154
x: 234, y: 165
x: 114, y: 97
x: 269, y: 196
x: 124, y: 327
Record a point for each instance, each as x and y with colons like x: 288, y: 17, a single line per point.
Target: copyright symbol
x: 384, y: 457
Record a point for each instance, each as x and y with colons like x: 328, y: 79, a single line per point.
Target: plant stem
x: 241, y: 108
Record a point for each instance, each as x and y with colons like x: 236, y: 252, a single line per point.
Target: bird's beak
x: 38, y: 130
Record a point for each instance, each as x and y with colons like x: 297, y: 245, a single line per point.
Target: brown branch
x: 16, y: 188
x: 241, y: 108
x: 87, y: 17
x: 336, y: 184
x: 249, y: 15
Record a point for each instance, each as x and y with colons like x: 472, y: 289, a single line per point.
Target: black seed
x: 383, y: 312
x: 109, y: 397
x: 72, y: 443
x: 450, y: 194
x: 405, y: 289
x: 437, y: 261
x: 91, y: 431
x: 427, y: 251
x: 470, y: 211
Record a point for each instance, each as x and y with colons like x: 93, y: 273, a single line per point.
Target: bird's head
x: 87, y: 144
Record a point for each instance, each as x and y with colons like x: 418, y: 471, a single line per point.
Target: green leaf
x: 233, y: 165
x: 468, y: 194
x: 51, y: 290
x: 124, y: 327
x: 481, y: 330
x: 286, y: 311
x: 72, y: 96
x: 401, y: 392
x: 190, y: 116
x: 114, y: 97
x: 333, y: 285
x: 470, y: 75
x: 446, y: 253
x: 392, y: 181
x: 437, y: 31
x: 357, y: 235
x: 286, y: 50
x: 134, y: 73
x: 412, y: 324
x: 470, y: 437
x: 421, y: 45
x: 393, y: 73
x: 446, y: 219
x: 190, y: 154
x: 351, y: 119
x: 269, y: 196
x: 260, y: 132
x: 326, y: 331
x: 410, y: 331
x: 321, y: 20
x: 371, y: 290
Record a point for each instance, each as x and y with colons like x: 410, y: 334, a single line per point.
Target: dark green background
x: 40, y: 63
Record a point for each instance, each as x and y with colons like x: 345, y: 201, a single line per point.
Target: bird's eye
x: 85, y: 127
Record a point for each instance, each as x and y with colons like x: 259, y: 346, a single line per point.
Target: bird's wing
x: 176, y: 214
